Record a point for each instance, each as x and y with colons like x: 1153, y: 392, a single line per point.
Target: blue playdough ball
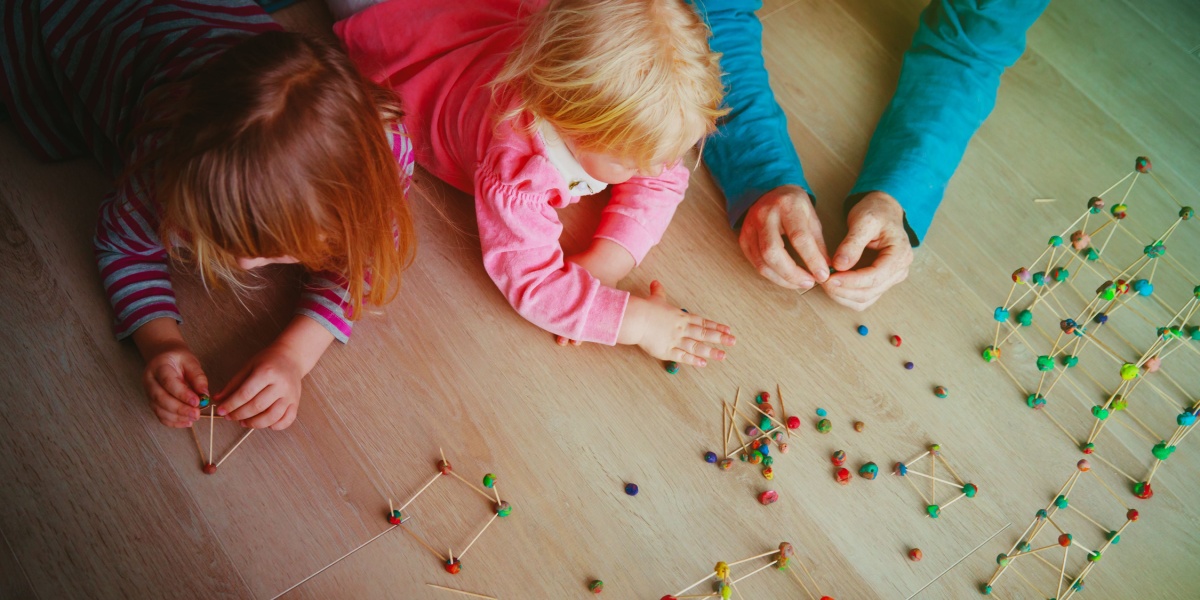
x: 862, y: 330
x: 631, y: 489
x: 710, y: 457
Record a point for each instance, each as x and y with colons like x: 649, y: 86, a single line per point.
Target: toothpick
x: 931, y: 582
x: 744, y: 560
x: 343, y: 557
x: 199, y: 446
x: 235, y: 446
x: 933, y: 476
x: 685, y: 590
x: 473, y: 595
x: 421, y: 491
x: 782, y: 410
x: 472, y: 486
x: 489, y: 524
x: 422, y: 542
x: 211, y: 427
x: 724, y: 431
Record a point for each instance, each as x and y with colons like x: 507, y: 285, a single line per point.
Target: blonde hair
x: 634, y: 78
x: 277, y: 147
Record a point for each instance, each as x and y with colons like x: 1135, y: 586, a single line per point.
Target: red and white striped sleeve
x: 132, y: 260
x: 326, y: 297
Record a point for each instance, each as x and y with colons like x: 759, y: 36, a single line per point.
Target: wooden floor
x: 100, y: 501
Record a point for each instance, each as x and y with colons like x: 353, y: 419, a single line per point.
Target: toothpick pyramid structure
x: 210, y: 462
x: 1049, y: 284
x: 1052, y: 519
x: 934, y: 454
x: 501, y: 508
x: 725, y: 584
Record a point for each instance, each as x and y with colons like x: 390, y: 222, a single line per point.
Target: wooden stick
x: 686, y: 589
x: 981, y: 544
x: 951, y: 469
x: 211, y: 427
x: 754, y: 572
x: 912, y: 472
x: 422, y: 490
x: 922, y: 494
x: 473, y: 595
x: 343, y: 557
x: 235, y: 446
x: 745, y: 560
x: 933, y: 475
x: 496, y: 489
x: 472, y: 486
x: 199, y: 446
x: 773, y: 420
x: 782, y: 410
x: 810, y: 577
x: 724, y: 430
x: 792, y: 572
x: 489, y: 524
x: 956, y: 499
x: 422, y: 542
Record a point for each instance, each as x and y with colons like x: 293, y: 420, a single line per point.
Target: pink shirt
x: 440, y: 57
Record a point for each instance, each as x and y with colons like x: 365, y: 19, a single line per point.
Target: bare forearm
x: 606, y: 260
x: 305, y: 340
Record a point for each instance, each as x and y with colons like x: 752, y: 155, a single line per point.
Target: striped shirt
x: 74, y: 77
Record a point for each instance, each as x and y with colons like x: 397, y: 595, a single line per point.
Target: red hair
x: 277, y: 147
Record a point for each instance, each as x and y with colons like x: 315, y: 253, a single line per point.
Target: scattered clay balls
x: 821, y: 412
x: 768, y: 497
x: 838, y: 458
x: 726, y: 464
x: 859, y: 425
x: 868, y: 470
x: 710, y: 457
x: 793, y: 422
x: 783, y: 447
x: 896, y: 341
x: 1084, y: 465
x: 843, y: 476
x: 824, y: 426
x: 453, y: 566
x: 752, y: 431
x: 596, y: 586
x: 862, y: 330
x: 762, y: 398
x: 915, y: 555
x: 940, y: 392
x: 672, y: 367
x: 909, y: 365
x: 489, y: 481
x: 631, y: 489
x: 768, y: 473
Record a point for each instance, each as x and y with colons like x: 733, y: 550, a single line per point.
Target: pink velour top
x: 441, y: 56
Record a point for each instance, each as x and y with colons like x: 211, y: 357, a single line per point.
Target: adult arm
x: 752, y: 157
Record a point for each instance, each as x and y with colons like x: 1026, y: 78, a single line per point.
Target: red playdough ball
x: 209, y: 469
x: 915, y: 555
x: 793, y: 422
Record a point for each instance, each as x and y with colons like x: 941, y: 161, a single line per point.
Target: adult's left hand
x: 876, y: 222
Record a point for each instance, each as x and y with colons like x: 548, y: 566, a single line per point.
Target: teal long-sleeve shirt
x: 947, y: 87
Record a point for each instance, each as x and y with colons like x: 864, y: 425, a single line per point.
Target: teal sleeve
x: 947, y: 87
x: 751, y: 152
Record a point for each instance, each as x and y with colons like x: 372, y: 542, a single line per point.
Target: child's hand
x: 266, y: 392
x: 667, y: 333
x: 564, y: 341
x: 173, y: 378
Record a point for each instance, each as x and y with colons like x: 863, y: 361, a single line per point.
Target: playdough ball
x: 1035, y: 401
x: 1186, y: 213
x: 395, y: 518
x: 1064, y: 540
x: 1083, y: 465
x: 1080, y: 240
x: 793, y: 422
x: 672, y: 367
x: 970, y: 489
x: 1069, y: 360
x: 1067, y: 326
x: 1021, y: 275
x: 824, y: 426
x: 444, y: 467
x: 909, y: 365
x: 1120, y: 211
x: 1039, y: 278
x: 821, y: 412
x: 934, y: 511
x: 862, y: 330
x: 838, y: 458
x: 896, y: 341
x: 1119, y: 403
x: 710, y: 457
x: 1088, y: 448
x: 1101, y: 318
x: 986, y: 590
x: 1002, y: 559
x: 453, y: 566
x: 503, y: 509
x: 1096, y: 204
x: 1025, y: 318
x: 1113, y: 537
x: 843, y: 476
x: 786, y: 550
x: 596, y: 586
x: 1152, y: 364
x: 868, y: 470
x: 1061, y: 502
x: 1162, y: 451
x: 900, y: 469
x: 991, y: 353
x: 1045, y: 363
x: 1055, y: 240
x: 768, y: 473
x: 756, y: 457
x: 768, y: 497
x: 205, y: 400
x: 1142, y: 164
x: 1129, y: 371
x: 1094, y: 556
x: 1131, y: 514
x: 915, y: 555
x: 631, y: 489
x: 1186, y: 419
x: 783, y: 447
x: 1060, y: 274
x: 209, y: 469
x: 725, y: 464
x: 859, y: 425
x: 767, y: 409
x: 940, y: 392
x: 489, y: 481
x: 1000, y: 314
x: 768, y: 461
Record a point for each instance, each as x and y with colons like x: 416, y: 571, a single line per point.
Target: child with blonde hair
x: 234, y: 145
x: 531, y: 105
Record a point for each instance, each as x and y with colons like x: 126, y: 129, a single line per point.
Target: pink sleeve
x: 641, y: 208
x: 515, y: 193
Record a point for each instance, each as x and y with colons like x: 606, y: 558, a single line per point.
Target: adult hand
x: 785, y: 211
x: 876, y: 222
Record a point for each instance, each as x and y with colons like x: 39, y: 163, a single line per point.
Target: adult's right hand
x: 785, y: 211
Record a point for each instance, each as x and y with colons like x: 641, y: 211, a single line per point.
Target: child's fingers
x: 657, y: 290
x: 195, y: 377
x: 710, y: 335
x: 256, y: 405
x: 563, y: 341
x: 707, y: 324
x: 268, y: 417
x: 680, y: 356
x: 245, y: 386
x: 171, y: 380
x: 288, y: 418
x: 171, y: 419
x: 692, y: 346
x: 160, y: 398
